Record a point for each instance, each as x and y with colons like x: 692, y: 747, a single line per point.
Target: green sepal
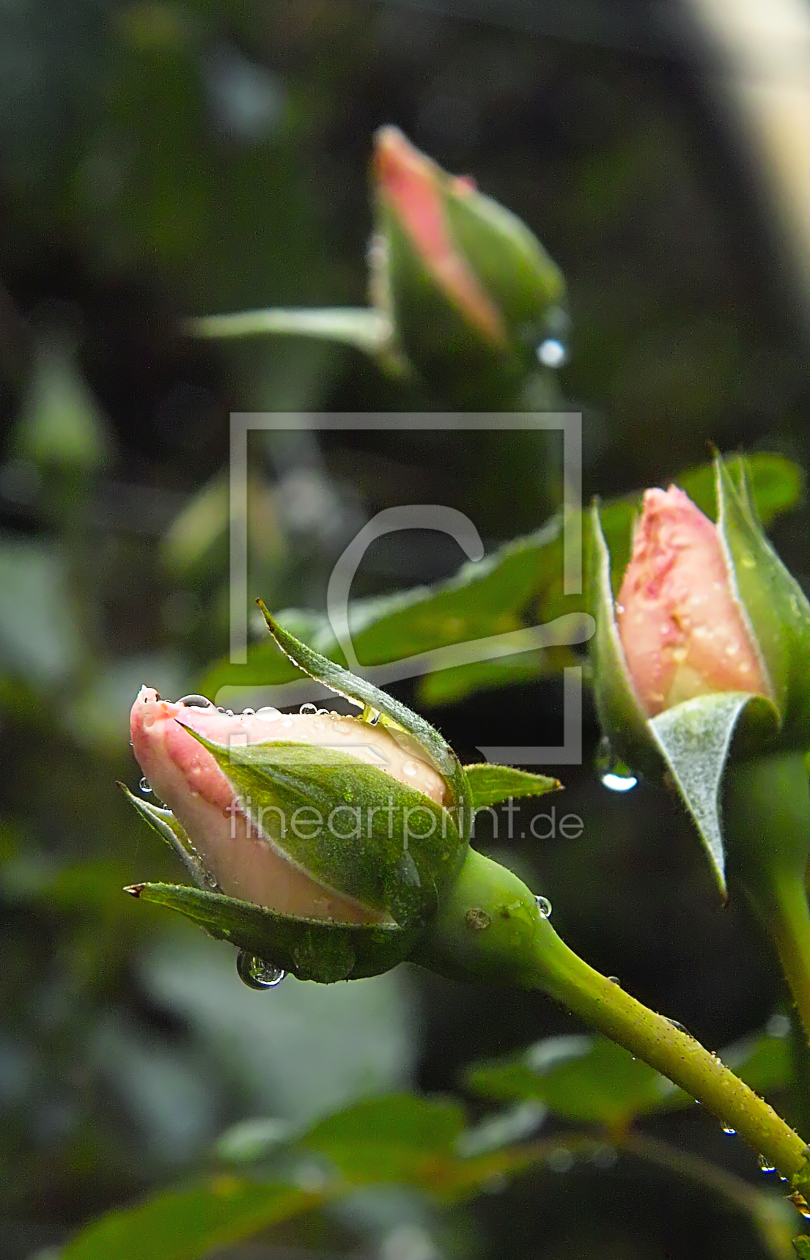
x: 490, y: 928
x: 367, y: 854
x: 509, y: 262
x: 621, y: 716
x: 166, y: 825
x: 393, y: 714
x: 491, y: 784
x: 775, y: 607
x: 695, y: 740
x: 307, y: 948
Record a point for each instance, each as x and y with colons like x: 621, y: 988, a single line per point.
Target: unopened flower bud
x: 303, y: 814
x: 468, y: 287
x: 703, y: 657
x: 681, y: 624
x: 325, y: 845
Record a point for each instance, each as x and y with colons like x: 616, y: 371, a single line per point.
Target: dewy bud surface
x: 242, y: 858
x: 682, y: 629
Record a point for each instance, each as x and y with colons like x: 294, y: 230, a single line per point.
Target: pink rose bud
x: 682, y: 629
x: 415, y: 189
x: 469, y: 290
x: 245, y: 860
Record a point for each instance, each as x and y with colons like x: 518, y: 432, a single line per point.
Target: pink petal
x: 681, y: 627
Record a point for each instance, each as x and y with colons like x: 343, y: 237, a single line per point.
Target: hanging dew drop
x: 145, y: 785
x: 552, y: 353
x: 731, y: 1132
x: 544, y: 907
x: 765, y: 1165
x: 256, y: 973
x: 614, y: 774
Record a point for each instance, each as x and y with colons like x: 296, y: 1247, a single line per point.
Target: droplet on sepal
x: 256, y: 972
x: 544, y: 907
x: 613, y: 772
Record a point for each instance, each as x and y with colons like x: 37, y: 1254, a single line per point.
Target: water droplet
x: 614, y: 774
x: 410, y: 768
x: 196, y: 702
x: 256, y: 973
x: 145, y: 785
x: 552, y: 353
x: 268, y: 713
x: 287, y: 721
x: 220, y: 708
x: 544, y: 906
x: 229, y: 712
x: 676, y: 1024
x: 731, y: 1132
x: 324, y: 713
x: 615, y: 980
x: 248, y: 713
x: 308, y: 708
x: 765, y: 1165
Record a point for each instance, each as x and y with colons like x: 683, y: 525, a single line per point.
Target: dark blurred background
x: 160, y: 160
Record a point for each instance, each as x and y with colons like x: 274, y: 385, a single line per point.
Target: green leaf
x: 401, y: 1138
x: 366, y: 329
x: 490, y: 784
x: 695, y: 739
x: 589, y: 1078
x: 580, y: 1077
x: 802, y: 1245
x: 186, y: 1224
x: 763, y: 1061
x: 308, y: 948
x: 485, y: 598
x: 515, y: 587
x: 449, y: 686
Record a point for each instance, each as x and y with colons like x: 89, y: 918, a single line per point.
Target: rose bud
x: 702, y: 657
x: 468, y: 287
x: 681, y: 625
x: 262, y: 848
x: 329, y: 846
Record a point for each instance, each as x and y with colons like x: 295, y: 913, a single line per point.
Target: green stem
x: 789, y: 925
x: 492, y: 929
x: 767, y: 817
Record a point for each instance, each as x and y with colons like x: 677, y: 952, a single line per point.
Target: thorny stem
x: 492, y: 929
